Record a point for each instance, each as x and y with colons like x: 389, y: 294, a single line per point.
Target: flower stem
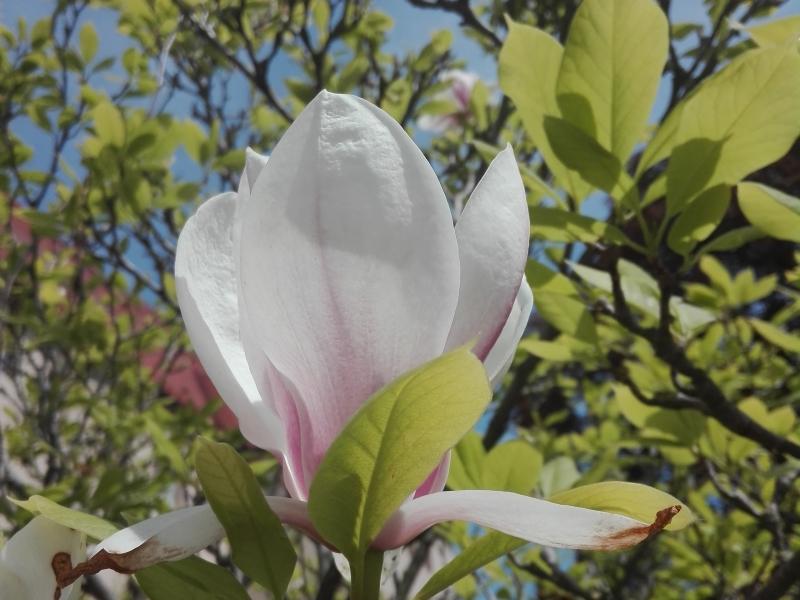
x: 365, y: 573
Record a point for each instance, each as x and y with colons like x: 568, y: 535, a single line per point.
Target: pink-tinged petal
x: 500, y: 357
x: 436, y: 481
x: 207, y: 294
x: 171, y: 536
x: 349, y: 265
x: 492, y: 233
x: 177, y: 535
x: 531, y: 519
x: 29, y: 559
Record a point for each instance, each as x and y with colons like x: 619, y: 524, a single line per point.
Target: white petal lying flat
x: 207, y: 294
x: 349, y: 265
x: 29, y: 555
x: 184, y: 532
x: 493, y: 233
x: 538, y: 521
x: 171, y: 536
x: 11, y: 586
x: 500, y: 357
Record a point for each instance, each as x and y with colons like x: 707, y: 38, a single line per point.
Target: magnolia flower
x: 334, y: 269
x: 457, y: 93
x: 31, y: 559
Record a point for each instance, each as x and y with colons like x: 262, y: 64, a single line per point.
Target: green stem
x: 365, y: 575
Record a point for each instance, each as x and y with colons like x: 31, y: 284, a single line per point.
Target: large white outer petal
x: 538, y: 521
x: 493, y: 233
x: 171, y: 536
x: 26, y: 560
x: 349, y: 264
x: 207, y: 293
x: 500, y: 357
x: 182, y: 533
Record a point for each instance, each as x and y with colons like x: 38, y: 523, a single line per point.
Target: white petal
x: 538, y: 521
x: 500, y: 357
x: 493, y: 233
x: 207, y: 293
x: 12, y: 586
x: 182, y: 533
x: 29, y: 555
x: 171, y: 536
x: 349, y: 264
x: 254, y: 164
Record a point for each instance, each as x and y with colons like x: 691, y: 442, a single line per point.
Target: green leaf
x: 700, y: 219
x: 776, y: 336
x: 94, y: 527
x: 634, y: 500
x: 258, y: 541
x: 108, y: 124
x: 743, y: 118
x: 485, y: 550
x: 558, y: 474
x: 567, y: 314
x: 513, y: 466
x: 556, y: 225
x: 466, y: 463
x: 774, y: 213
x: 190, y: 578
x: 596, y: 165
x: 660, y: 146
x: 391, y: 445
x: 777, y: 32
x: 528, y: 70
x: 88, y: 41
x: 613, y: 59
x: 543, y: 279
x: 731, y: 240
x: 552, y: 351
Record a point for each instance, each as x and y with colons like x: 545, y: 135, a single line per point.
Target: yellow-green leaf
x: 633, y: 500
x: 391, y: 445
x: 613, y: 58
x: 743, y: 118
x: 528, y: 71
x: 774, y: 213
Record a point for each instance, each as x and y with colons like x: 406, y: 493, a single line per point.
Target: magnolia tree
x: 568, y: 322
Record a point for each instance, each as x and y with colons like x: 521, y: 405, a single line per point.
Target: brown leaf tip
x: 663, y: 518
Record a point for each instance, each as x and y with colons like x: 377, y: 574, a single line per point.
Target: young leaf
x: 528, y: 70
x: 776, y: 336
x: 567, y: 314
x: 88, y: 41
x: 613, y: 58
x: 513, y: 466
x: 774, y: 213
x: 700, y: 219
x: 777, y: 32
x: 558, y: 474
x: 743, y: 118
x: 485, y: 550
x: 466, y: 463
x: 190, y: 578
x: 108, y: 124
x: 556, y: 225
x: 93, y: 526
x: 258, y: 541
x: 634, y: 500
x: 391, y: 445
x: 596, y: 165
